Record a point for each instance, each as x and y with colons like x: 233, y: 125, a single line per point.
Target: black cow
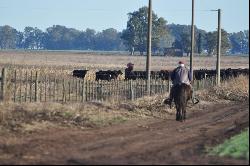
x: 224, y: 73
x: 203, y: 74
x: 229, y: 73
x: 140, y: 74
x: 80, y: 73
x: 143, y: 75
x: 108, y: 75
x: 164, y: 74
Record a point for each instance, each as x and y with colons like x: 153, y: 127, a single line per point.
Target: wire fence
x: 34, y: 86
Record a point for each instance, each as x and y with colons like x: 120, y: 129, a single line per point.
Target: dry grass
x: 236, y: 89
x: 30, y: 117
x: 71, y: 60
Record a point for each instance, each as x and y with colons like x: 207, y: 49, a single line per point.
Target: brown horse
x: 181, y: 94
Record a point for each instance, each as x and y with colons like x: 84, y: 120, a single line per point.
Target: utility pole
x: 218, y: 47
x: 192, y: 42
x: 148, y: 64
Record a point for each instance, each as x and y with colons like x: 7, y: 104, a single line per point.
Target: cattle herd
x: 163, y: 74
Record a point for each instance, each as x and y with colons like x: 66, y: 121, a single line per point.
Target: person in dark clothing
x: 129, y: 73
x: 180, y: 75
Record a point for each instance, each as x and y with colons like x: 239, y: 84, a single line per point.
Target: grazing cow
x: 140, y: 74
x: 143, y: 75
x: 245, y: 71
x: 224, y: 73
x: 164, y: 75
x: 181, y: 94
x: 229, y: 73
x: 108, y: 75
x: 80, y: 73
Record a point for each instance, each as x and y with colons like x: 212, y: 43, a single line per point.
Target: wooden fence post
x: 45, y: 89
x: 15, y: 80
x: 131, y: 89
x: 36, y: 87
x: 31, y: 80
x: 69, y: 89
x: 49, y: 88
x: 54, y: 90
x: 41, y: 88
x: 3, y: 84
x: 64, y: 93
x: 76, y: 90
x: 83, y: 91
x: 26, y: 86
x: 20, y: 90
x: 169, y: 84
x: 99, y: 91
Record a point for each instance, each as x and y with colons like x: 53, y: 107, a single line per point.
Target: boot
x: 168, y: 102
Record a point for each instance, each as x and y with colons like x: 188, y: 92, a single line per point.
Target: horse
x: 182, y: 93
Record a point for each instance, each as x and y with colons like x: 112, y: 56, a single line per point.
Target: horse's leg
x: 184, y: 112
x: 177, y: 112
x: 181, y: 112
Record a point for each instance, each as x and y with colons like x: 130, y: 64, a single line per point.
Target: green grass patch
x: 236, y: 147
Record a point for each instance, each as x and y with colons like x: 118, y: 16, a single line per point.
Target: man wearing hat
x: 129, y: 73
x: 180, y: 75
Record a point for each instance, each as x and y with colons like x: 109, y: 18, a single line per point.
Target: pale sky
x: 103, y: 14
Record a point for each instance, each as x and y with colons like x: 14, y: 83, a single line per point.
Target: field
x: 69, y: 60
x: 143, y: 131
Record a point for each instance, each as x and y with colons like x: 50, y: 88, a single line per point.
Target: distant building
x: 171, y: 51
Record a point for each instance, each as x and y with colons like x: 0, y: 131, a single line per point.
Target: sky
x: 103, y: 14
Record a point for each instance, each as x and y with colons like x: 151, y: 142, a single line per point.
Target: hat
x: 181, y: 62
x: 130, y: 64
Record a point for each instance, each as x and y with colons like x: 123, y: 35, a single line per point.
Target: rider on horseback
x: 180, y: 75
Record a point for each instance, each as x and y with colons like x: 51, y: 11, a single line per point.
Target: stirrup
x: 195, y: 100
x: 167, y: 101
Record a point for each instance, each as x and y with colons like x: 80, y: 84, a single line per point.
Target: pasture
x: 49, y: 131
x: 68, y: 60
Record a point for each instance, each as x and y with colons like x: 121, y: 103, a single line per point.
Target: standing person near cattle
x: 129, y: 73
x: 180, y: 75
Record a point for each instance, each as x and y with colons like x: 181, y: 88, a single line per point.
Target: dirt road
x: 138, y: 142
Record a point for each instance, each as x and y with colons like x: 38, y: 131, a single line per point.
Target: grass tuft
x: 236, y: 147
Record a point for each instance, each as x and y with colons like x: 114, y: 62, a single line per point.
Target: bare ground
x: 153, y: 141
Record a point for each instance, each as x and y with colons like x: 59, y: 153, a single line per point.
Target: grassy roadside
x: 34, y: 116
x: 236, y: 89
x: 236, y: 147
x: 29, y: 117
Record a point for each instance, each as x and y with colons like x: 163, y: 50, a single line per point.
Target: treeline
x: 60, y: 37
x: 132, y: 39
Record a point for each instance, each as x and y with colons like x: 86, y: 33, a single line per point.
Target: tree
x: 199, y: 44
x: 211, y: 42
x: 61, y: 38
x: 86, y: 40
x: 108, y: 40
x: 184, y: 43
x: 135, y: 35
x: 225, y: 42
x: 9, y: 37
x: 182, y: 38
x: 239, y: 42
x: 33, y: 38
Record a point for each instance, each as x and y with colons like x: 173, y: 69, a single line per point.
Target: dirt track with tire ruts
x: 154, y: 141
